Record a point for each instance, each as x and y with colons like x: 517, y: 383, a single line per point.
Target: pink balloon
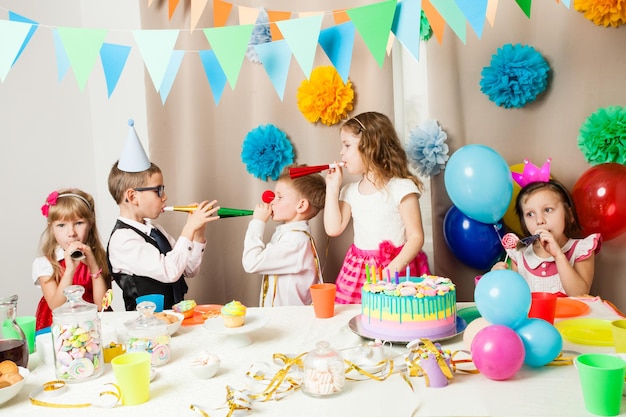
x: 498, y: 352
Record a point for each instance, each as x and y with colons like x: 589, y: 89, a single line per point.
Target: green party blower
x: 222, y: 212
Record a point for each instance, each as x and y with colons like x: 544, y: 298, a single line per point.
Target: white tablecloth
x: 545, y: 391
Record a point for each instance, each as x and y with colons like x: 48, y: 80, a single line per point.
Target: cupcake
x: 234, y: 314
x: 185, y: 308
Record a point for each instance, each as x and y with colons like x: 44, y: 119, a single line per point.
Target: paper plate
x: 200, y: 314
x: 568, y: 307
x: 593, y: 332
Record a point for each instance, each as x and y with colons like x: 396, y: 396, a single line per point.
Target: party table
x: 543, y: 391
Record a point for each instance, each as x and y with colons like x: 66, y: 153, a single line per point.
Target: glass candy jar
x: 76, y: 338
x: 324, y: 371
x: 13, y: 344
x: 149, y: 334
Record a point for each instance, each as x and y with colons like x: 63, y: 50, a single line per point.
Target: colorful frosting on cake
x: 420, y: 307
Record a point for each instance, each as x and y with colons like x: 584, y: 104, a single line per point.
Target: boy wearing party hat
x: 143, y: 258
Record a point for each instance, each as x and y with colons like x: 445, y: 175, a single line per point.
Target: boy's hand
x: 197, y: 220
x: 262, y: 212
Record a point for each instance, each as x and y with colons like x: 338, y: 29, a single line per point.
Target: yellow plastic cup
x: 132, y: 372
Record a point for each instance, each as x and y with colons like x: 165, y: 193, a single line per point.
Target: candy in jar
x: 76, y: 339
x: 324, y: 371
x: 149, y: 334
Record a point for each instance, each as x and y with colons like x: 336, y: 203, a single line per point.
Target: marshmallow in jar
x: 149, y: 334
x: 76, y: 339
x: 324, y: 371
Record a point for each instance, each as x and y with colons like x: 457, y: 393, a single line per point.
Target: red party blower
x: 298, y: 172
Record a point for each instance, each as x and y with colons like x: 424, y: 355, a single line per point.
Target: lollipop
x: 509, y: 241
x: 268, y: 196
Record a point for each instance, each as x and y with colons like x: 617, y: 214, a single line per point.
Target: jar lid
x: 75, y: 303
x: 146, y: 320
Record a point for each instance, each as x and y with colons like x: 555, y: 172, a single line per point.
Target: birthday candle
x: 408, y: 272
x: 397, y: 277
x: 380, y: 274
x: 367, y: 272
x: 388, y: 276
x: 373, y: 275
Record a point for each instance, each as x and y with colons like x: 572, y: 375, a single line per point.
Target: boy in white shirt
x: 288, y: 262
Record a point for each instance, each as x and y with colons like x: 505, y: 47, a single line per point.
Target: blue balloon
x: 542, y: 341
x: 503, y: 297
x: 478, y: 181
x: 475, y: 244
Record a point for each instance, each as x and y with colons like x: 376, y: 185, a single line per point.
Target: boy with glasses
x: 143, y: 258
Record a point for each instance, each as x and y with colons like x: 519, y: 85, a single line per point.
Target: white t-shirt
x: 376, y: 217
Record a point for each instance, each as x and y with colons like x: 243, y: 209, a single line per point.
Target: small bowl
x: 173, y: 327
x: 11, y: 391
x: 205, y: 366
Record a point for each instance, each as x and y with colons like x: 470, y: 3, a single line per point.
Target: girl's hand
x: 262, y: 212
x: 334, y: 177
x: 548, y: 242
x: 499, y: 266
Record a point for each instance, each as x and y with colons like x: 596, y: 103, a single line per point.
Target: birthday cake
x: 420, y: 307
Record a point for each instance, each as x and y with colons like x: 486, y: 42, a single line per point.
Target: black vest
x: 134, y: 286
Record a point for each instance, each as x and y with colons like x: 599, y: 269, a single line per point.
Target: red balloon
x: 600, y: 199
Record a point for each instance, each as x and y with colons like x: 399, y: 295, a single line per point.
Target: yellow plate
x: 593, y: 332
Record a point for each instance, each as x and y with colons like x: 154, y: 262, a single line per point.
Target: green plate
x: 468, y: 314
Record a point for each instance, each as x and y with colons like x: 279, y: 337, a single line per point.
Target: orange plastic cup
x: 543, y: 306
x: 323, y: 296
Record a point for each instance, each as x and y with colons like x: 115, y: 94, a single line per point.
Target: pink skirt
x: 352, y: 275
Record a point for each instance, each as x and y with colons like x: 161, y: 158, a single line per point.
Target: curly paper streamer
x: 515, y: 77
x: 324, y: 97
x: 266, y: 151
x: 427, y: 150
x: 603, y: 12
x: 602, y: 137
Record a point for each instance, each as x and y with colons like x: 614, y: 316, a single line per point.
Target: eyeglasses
x: 159, y: 189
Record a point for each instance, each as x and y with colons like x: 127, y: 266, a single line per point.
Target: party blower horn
x: 222, y: 212
x: 297, y: 172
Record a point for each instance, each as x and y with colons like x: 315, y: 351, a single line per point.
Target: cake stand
x: 356, y: 327
x: 237, y: 337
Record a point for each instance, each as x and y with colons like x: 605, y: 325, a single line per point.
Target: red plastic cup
x: 543, y: 306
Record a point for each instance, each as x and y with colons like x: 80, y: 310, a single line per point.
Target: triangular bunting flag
x: 214, y: 73
x: 156, y: 47
x: 17, y: 18
x: 170, y: 74
x: 405, y: 27
x: 221, y: 10
x: 374, y: 24
x: 12, y: 35
x: 276, y: 58
x: 567, y: 3
x: 338, y: 43
x: 453, y: 16
x: 475, y: 11
x: 197, y: 8
x: 525, y: 6
x: 247, y: 15
x: 171, y: 6
x: 302, y: 36
x: 230, y: 44
x: 340, y: 16
x: 492, y: 6
x: 83, y: 47
x: 63, y: 62
x: 113, y: 58
x: 437, y: 23
x: 275, y: 16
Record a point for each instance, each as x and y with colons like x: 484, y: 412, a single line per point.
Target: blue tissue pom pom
x: 427, y: 150
x: 516, y: 76
x: 266, y: 151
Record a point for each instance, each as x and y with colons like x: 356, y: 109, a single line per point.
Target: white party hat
x: 134, y: 158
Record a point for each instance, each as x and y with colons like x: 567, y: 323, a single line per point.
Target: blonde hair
x: 380, y: 147
x: 73, y: 204
x: 311, y: 187
x: 120, y: 181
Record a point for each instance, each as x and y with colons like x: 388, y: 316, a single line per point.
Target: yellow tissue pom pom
x: 325, y: 97
x: 603, y: 12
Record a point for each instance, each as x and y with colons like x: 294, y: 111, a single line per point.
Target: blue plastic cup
x: 157, y: 299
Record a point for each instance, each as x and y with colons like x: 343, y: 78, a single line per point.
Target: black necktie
x: 179, y: 287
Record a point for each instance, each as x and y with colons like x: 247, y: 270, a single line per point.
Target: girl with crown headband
x: 555, y: 257
x: 72, y: 253
x: 384, y: 206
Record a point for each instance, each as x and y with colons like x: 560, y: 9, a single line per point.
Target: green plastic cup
x: 27, y: 324
x: 602, y: 381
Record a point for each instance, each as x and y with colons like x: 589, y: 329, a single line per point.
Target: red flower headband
x: 52, y: 198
